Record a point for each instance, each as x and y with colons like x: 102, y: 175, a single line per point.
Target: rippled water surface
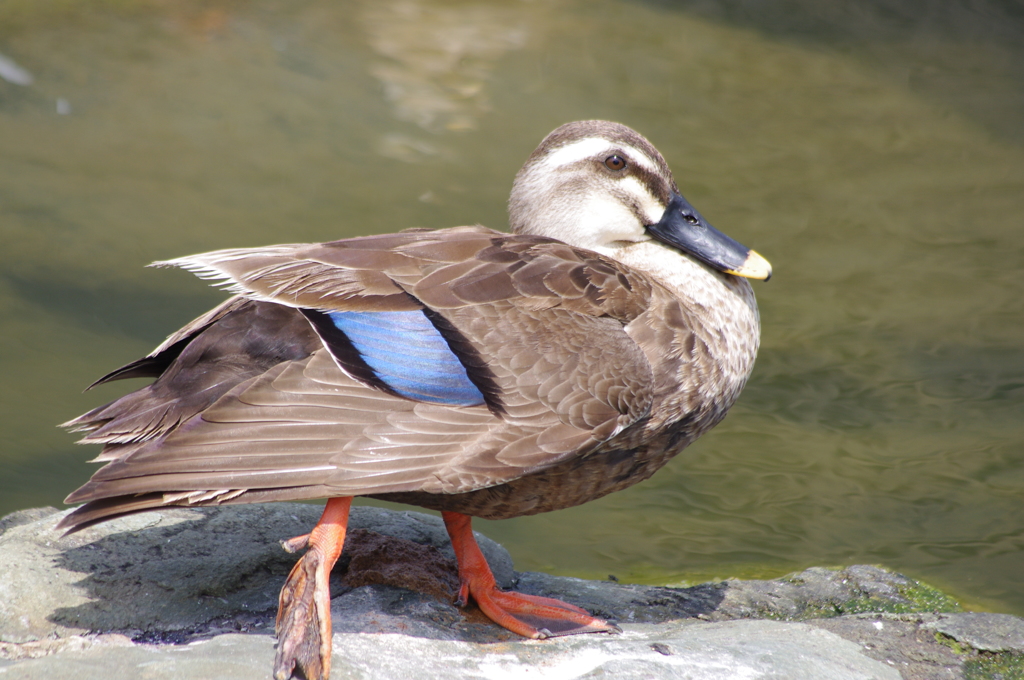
x: 873, y: 151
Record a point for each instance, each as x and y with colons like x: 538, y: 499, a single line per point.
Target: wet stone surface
x: 193, y: 593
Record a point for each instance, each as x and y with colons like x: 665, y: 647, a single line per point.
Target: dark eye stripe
x: 655, y: 183
x: 659, y: 184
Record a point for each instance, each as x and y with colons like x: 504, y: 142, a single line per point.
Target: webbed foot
x: 527, y: 615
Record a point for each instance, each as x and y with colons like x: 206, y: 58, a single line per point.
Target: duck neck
x: 723, y: 306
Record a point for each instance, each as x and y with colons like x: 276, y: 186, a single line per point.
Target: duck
x: 474, y: 372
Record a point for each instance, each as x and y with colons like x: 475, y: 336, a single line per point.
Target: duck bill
x: 683, y: 227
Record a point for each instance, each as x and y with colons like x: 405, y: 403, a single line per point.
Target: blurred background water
x: 873, y: 151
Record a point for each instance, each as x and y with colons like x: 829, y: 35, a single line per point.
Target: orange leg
x: 526, y: 615
x: 304, y: 612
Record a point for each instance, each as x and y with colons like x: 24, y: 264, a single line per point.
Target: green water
x: 872, y: 151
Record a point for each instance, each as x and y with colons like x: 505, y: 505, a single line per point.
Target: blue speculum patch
x: 409, y: 355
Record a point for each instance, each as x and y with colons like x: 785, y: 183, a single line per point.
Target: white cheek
x: 602, y: 220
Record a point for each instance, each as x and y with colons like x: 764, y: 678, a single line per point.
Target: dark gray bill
x: 683, y: 227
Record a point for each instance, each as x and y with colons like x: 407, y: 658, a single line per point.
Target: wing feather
x: 544, y: 321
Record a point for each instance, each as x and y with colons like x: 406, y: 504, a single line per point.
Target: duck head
x: 602, y: 186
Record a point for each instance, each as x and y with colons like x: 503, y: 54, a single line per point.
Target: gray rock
x: 226, y: 657
x: 984, y: 632
x: 165, y: 594
x: 10, y: 652
x: 627, y: 603
x: 182, y: 570
x: 814, y: 593
x: 899, y: 641
x: 701, y: 651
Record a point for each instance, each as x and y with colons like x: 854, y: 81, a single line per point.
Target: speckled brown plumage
x: 595, y: 368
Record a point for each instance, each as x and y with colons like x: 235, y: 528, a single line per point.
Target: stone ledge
x: 193, y: 593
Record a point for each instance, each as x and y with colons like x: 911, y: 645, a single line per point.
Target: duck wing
x: 440, y: 362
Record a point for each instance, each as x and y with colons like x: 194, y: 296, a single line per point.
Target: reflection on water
x: 436, y: 60
x: 874, y: 152
x: 434, y: 63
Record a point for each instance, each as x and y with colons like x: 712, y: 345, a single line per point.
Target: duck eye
x: 615, y: 162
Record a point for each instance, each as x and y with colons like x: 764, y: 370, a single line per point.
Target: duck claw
x: 294, y: 545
